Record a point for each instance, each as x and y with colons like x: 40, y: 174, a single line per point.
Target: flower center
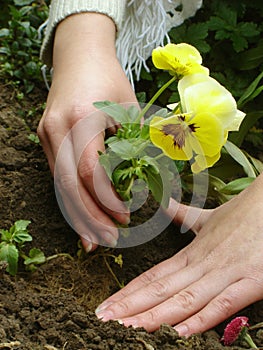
x: 179, y: 131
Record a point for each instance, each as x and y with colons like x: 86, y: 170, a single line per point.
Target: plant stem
x: 112, y: 273
x: 128, y: 190
x: 55, y: 256
x: 161, y: 155
x: 256, y: 326
x: 154, y: 98
x: 249, y: 341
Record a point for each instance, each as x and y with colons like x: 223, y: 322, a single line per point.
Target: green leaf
x: 258, y: 165
x: 251, y: 58
x: 236, y: 186
x: 9, y: 253
x: 214, y: 190
x: 21, y: 225
x: 4, y: 32
x: 6, y: 235
x: 129, y: 148
x: 115, y: 110
x: 104, y: 160
x: 23, y: 2
x: 152, y: 162
x: 239, y: 43
x: 121, y: 174
x: 249, y: 121
x: 248, y: 29
x: 133, y: 113
x: 138, y: 186
x: 155, y: 184
x: 21, y: 237
x: 249, y: 91
x: 36, y: 256
x: 240, y: 157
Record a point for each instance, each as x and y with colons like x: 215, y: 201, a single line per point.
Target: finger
x: 96, y: 181
x: 87, y: 215
x: 43, y: 137
x: 184, y: 303
x: 157, y: 272
x: 88, y: 139
x: 151, y: 295
x: 232, y: 299
x: 88, y: 246
x: 191, y: 217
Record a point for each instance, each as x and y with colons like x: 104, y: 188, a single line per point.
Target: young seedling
x: 11, y: 249
x: 12, y: 242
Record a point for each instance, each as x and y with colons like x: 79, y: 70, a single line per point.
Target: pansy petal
x: 202, y: 162
x: 207, y: 95
x: 207, y: 135
x: 236, y: 122
x: 167, y: 141
x: 181, y: 59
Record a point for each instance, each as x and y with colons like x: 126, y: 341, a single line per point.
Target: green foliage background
x: 229, y: 36
x: 20, y: 43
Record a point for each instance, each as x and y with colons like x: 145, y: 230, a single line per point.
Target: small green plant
x: 20, y: 45
x: 34, y: 138
x: 11, y: 249
x: 12, y: 242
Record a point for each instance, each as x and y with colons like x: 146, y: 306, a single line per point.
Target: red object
x: 234, y: 328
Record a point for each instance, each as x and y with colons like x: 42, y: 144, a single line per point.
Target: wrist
x: 84, y: 36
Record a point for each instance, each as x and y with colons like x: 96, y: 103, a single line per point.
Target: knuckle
x: 48, y: 124
x: 186, y: 298
x: 147, y: 277
x: 86, y: 166
x: 159, y: 289
x: 123, y: 308
x: 66, y: 183
x: 198, y: 323
x: 223, y: 305
x: 152, y: 316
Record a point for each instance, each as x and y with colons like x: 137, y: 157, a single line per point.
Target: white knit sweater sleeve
x: 142, y: 25
x: 60, y: 9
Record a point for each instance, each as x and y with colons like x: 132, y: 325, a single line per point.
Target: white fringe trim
x: 145, y: 27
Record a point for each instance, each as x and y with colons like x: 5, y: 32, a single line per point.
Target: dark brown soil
x: 53, y: 307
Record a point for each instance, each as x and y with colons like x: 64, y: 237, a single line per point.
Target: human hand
x: 216, y: 275
x: 85, y: 70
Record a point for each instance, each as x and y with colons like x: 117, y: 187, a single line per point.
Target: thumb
x: 188, y: 217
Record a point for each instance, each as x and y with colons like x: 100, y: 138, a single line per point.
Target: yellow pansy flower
x: 199, y: 130
x: 199, y: 92
x: 179, y: 59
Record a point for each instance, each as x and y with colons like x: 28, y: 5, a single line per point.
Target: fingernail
x: 126, y: 219
x: 182, y: 330
x: 105, y: 315
x: 88, y: 248
x: 102, y: 306
x: 120, y: 321
x: 109, y: 239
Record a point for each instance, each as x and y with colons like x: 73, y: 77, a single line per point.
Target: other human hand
x: 217, y: 274
x: 86, y: 70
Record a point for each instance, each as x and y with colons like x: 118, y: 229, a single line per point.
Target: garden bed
x: 53, y: 307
